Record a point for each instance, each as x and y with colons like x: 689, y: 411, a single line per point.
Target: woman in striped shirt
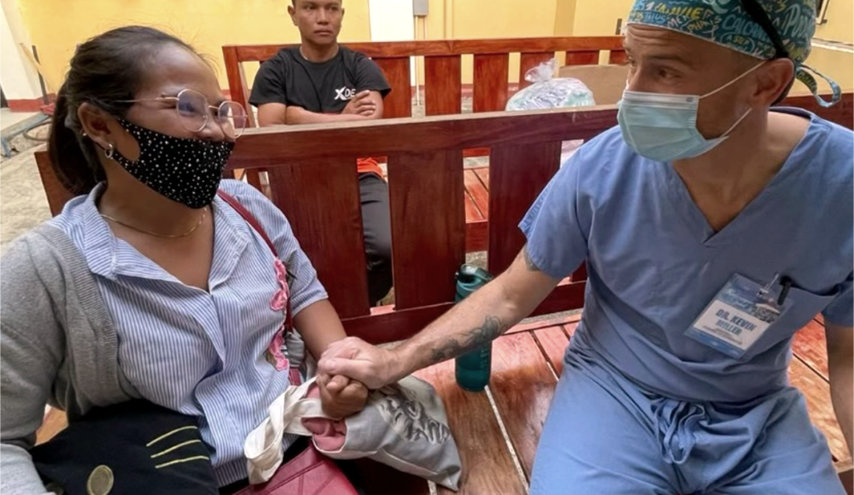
x: 169, y: 294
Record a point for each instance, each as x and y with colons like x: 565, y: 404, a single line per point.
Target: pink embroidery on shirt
x: 275, y: 354
x: 280, y: 298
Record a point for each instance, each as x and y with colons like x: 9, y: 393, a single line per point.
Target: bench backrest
x: 442, y: 67
x: 310, y: 170
x: 311, y: 176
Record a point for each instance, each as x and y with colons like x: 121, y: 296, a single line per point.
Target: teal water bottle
x: 473, y: 368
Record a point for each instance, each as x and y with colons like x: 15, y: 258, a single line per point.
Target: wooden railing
x: 312, y: 179
x: 442, y: 67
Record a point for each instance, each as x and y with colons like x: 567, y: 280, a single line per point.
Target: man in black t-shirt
x: 321, y: 81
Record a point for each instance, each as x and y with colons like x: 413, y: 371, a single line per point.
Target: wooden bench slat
x: 582, y: 58
x: 520, y: 173
x: 398, y: 103
x: 477, y: 235
x: 479, y: 195
x: 569, y: 328
x: 56, y: 193
x: 483, y: 175
x: 522, y: 386
x: 238, y: 89
x: 540, y: 323
x: 567, y: 295
x: 390, y: 325
x: 579, y: 274
x: 553, y: 342
x: 490, y: 82
x: 549, y: 44
x: 817, y: 394
x: 810, y: 346
x: 247, y: 53
x: 487, y: 465
x: 618, y: 57
x: 473, y: 214
x: 529, y: 60
x: 416, y: 182
x: 335, y: 225
x: 262, y: 148
x: 253, y: 177
x: 443, y: 85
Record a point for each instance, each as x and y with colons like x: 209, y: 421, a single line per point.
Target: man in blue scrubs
x: 713, y: 229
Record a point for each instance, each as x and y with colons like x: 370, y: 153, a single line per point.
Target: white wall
x: 17, y: 75
x: 392, y: 20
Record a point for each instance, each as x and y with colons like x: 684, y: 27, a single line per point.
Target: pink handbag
x: 310, y: 472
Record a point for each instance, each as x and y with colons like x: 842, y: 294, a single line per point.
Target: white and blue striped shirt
x: 201, y: 353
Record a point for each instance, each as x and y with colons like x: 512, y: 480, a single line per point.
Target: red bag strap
x: 255, y: 224
x: 249, y: 217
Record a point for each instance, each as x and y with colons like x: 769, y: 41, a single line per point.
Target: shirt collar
x: 111, y: 257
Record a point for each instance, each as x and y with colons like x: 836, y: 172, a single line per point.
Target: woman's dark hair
x: 105, y: 69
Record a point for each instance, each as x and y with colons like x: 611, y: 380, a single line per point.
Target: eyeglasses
x: 194, y: 112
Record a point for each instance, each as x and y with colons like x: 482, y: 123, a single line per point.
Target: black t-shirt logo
x: 345, y: 93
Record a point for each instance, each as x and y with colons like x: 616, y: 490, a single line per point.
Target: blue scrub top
x: 654, y: 262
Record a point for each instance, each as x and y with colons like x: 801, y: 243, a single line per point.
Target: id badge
x: 738, y: 315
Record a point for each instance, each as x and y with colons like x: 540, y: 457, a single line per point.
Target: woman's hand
x: 341, y: 396
x: 353, y: 357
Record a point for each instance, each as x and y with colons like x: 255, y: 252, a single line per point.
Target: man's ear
x: 95, y: 123
x: 292, y: 12
x: 774, y: 81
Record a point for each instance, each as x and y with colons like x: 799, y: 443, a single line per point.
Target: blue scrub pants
x: 606, y: 435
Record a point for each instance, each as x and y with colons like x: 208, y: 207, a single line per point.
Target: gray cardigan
x: 58, y: 346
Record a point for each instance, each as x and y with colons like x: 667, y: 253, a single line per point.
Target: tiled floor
x: 8, y: 117
x: 23, y: 204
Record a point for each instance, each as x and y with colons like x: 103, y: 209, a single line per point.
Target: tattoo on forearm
x: 492, y: 327
x: 529, y: 262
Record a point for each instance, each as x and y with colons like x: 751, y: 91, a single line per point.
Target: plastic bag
x: 548, y: 91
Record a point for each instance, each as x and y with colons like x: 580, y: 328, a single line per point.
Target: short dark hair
x: 104, y: 70
x: 294, y: 2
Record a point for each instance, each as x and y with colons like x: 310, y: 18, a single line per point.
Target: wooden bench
x: 311, y: 179
x: 526, y: 364
x: 443, y: 83
x: 443, y: 87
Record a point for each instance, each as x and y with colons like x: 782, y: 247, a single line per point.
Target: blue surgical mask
x: 663, y: 127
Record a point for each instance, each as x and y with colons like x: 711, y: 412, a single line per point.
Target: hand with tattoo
x: 377, y: 367
x: 358, y: 360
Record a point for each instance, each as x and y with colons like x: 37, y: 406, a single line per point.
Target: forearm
x: 480, y: 318
x: 319, y: 326
x: 298, y: 115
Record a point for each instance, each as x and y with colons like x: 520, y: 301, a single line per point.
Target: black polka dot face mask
x: 184, y: 170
